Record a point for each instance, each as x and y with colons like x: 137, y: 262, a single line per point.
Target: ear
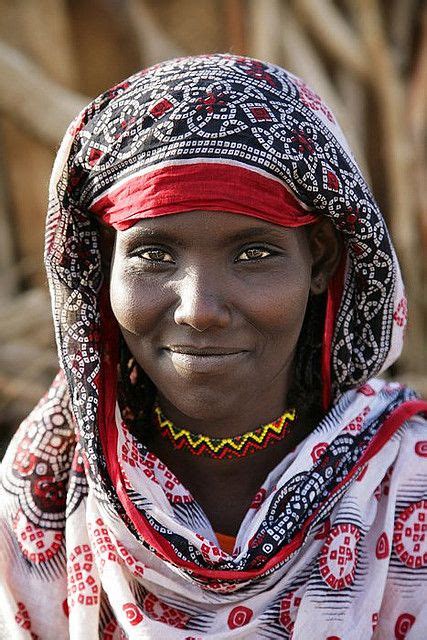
x: 326, y: 247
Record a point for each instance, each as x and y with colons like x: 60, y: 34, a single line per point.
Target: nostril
x: 202, y: 312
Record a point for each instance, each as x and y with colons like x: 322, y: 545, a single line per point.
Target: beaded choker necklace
x: 225, y: 448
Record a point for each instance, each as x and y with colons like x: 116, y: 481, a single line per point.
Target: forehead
x: 208, y: 227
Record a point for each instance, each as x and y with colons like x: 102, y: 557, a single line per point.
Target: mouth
x: 189, y: 359
x: 204, y: 351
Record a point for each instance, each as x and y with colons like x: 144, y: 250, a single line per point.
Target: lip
x: 192, y: 350
x: 213, y: 360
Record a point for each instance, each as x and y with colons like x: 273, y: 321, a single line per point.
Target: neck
x: 225, y: 488
x: 223, y: 423
x: 264, y: 445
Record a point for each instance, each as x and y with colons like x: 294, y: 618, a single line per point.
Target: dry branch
x: 402, y: 28
x: 8, y: 279
x: 32, y: 99
x: 46, y: 32
x: 265, y: 29
x: 353, y: 96
x: 417, y: 90
x: 334, y: 33
x: 154, y: 44
x: 234, y: 11
x: 417, y: 126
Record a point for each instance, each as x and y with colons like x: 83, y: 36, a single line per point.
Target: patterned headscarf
x: 226, y: 133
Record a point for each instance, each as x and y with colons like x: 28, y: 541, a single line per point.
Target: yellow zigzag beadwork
x: 219, y: 448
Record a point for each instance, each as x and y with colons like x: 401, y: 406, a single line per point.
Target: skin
x: 211, y: 305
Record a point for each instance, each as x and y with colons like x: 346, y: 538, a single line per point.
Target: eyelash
x: 156, y: 261
x: 270, y: 253
x: 140, y: 254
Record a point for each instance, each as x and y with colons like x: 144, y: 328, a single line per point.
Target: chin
x: 204, y: 403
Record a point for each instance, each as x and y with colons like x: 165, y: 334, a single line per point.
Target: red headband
x: 194, y: 186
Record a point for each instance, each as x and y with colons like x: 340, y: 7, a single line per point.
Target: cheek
x: 136, y: 306
x: 283, y: 304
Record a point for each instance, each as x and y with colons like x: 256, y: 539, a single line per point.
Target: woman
x: 215, y: 459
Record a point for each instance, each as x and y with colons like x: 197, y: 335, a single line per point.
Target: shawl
x: 99, y: 539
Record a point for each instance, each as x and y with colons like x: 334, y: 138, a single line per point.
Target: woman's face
x: 211, y: 305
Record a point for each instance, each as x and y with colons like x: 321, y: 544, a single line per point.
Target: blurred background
x: 366, y: 58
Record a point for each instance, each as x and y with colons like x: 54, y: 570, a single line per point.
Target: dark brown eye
x: 254, y: 253
x: 155, y: 255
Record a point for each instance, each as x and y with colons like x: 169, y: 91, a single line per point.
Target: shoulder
x: 412, y: 451
x: 42, y: 448
x: 52, y: 416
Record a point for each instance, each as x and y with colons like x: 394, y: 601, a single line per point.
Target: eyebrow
x: 157, y: 235
x: 256, y: 232
x: 162, y: 235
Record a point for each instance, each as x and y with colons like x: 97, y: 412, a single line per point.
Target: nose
x: 201, y: 303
